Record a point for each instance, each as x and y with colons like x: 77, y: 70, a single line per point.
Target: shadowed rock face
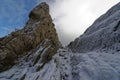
x: 39, y: 29
x: 104, y: 34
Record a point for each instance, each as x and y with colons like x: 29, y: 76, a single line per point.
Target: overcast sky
x: 71, y: 17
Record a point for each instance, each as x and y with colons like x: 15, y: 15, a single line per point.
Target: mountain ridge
x: 95, y: 55
x: 103, y: 33
x: 38, y: 29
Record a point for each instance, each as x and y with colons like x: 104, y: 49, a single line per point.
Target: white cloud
x: 73, y: 17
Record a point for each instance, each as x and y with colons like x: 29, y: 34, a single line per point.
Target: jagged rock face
x: 39, y: 29
x: 103, y: 35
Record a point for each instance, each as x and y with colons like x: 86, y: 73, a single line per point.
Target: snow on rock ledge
x: 56, y: 69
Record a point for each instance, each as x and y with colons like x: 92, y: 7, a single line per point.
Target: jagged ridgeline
x: 39, y: 35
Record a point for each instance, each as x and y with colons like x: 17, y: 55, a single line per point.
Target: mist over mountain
x: 35, y: 52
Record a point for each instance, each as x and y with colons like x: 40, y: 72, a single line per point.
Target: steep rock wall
x: 38, y: 29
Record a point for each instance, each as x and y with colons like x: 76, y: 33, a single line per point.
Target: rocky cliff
x: 39, y: 30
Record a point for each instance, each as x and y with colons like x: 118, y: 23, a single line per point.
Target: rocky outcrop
x: 38, y: 30
x: 103, y: 35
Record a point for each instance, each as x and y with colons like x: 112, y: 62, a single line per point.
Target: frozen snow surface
x: 95, y: 55
x: 95, y: 66
x: 104, y: 34
x: 57, y: 69
x: 66, y: 65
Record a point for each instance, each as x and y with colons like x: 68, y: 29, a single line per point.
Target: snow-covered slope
x: 66, y: 65
x: 93, y: 56
x: 96, y: 53
x: 104, y: 34
x: 95, y: 66
x: 29, y: 67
